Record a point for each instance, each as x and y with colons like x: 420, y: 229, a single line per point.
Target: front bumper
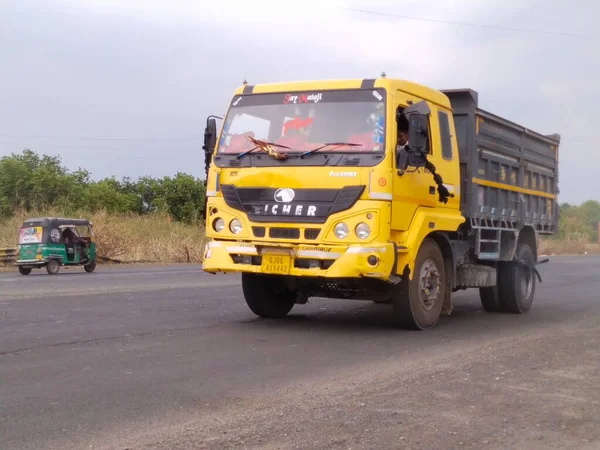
x: 30, y: 262
x: 375, y: 261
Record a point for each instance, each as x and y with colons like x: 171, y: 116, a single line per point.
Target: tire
x: 413, y: 308
x: 90, y: 267
x: 490, y: 299
x: 266, y: 296
x: 516, y: 284
x: 52, y: 267
x: 24, y: 270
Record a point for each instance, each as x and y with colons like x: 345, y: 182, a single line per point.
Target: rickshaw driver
x: 72, y: 239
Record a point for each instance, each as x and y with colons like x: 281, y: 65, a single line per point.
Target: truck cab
x: 341, y: 188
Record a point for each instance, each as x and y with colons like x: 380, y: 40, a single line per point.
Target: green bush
x: 29, y: 182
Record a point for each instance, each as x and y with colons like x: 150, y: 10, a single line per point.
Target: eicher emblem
x: 284, y: 195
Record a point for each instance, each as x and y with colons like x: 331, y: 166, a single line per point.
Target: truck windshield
x: 353, y: 120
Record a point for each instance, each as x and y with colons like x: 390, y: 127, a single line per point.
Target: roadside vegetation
x: 158, y: 219
x: 147, y: 220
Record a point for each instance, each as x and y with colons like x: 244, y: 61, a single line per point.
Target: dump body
x: 509, y: 174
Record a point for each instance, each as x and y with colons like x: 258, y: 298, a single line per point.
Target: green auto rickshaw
x: 52, y: 242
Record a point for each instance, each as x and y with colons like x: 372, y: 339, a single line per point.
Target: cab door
x: 415, y: 187
x: 445, y: 155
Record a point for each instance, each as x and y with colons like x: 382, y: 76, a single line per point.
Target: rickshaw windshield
x: 84, y: 232
x: 30, y: 235
x: 79, y: 231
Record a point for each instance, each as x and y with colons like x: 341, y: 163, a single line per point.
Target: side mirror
x: 421, y: 108
x: 418, y: 133
x: 402, y: 160
x: 210, y: 141
x: 408, y: 158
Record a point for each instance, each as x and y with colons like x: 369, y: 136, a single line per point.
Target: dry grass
x: 568, y: 246
x: 129, y: 238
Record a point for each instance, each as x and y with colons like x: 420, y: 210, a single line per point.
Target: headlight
x: 235, y: 226
x: 362, y: 230
x: 341, y: 230
x: 219, y: 225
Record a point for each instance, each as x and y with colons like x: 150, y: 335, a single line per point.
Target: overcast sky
x: 123, y: 87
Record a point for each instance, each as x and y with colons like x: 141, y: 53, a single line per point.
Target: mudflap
x: 533, y: 267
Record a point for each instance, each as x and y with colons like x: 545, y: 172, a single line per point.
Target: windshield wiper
x: 266, y: 147
x: 329, y: 144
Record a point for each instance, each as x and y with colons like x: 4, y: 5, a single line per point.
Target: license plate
x: 276, y: 264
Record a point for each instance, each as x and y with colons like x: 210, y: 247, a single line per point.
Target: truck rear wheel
x: 267, y: 295
x: 419, y: 302
x: 516, y: 284
x: 490, y: 297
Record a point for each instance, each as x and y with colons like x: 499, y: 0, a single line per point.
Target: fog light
x: 247, y: 259
x: 218, y: 225
x: 362, y: 230
x: 373, y: 260
x: 341, y: 230
x: 314, y: 264
x: 235, y: 226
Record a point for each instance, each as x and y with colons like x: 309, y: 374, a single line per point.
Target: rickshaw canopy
x: 56, y: 222
x: 39, y: 230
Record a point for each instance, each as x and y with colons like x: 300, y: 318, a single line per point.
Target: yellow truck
x: 377, y: 189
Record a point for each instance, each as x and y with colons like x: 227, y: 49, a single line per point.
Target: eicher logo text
x: 287, y: 209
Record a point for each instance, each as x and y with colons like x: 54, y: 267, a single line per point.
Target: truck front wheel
x: 267, y: 295
x: 418, y: 302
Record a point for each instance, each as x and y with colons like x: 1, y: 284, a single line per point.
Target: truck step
x: 475, y: 275
x: 489, y: 256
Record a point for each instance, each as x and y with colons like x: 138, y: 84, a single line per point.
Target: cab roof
x: 389, y: 84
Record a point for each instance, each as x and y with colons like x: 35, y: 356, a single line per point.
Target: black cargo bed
x: 509, y: 174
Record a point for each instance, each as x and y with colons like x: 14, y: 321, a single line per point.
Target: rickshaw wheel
x: 52, y: 267
x: 89, y: 268
x: 24, y: 270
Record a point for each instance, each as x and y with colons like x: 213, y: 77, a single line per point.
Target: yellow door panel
x: 412, y: 189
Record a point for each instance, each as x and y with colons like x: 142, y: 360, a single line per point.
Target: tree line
x: 579, y: 220
x: 33, y: 182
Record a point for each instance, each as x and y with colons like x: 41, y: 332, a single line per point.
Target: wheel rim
x: 526, y: 282
x: 429, y: 284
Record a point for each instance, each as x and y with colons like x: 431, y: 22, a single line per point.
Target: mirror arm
x: 442, y: 190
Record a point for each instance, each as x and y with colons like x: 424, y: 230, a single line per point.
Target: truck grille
x: 284, y: 233
x: 311, y: 233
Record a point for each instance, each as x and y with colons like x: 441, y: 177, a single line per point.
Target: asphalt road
x: 171, y: 358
